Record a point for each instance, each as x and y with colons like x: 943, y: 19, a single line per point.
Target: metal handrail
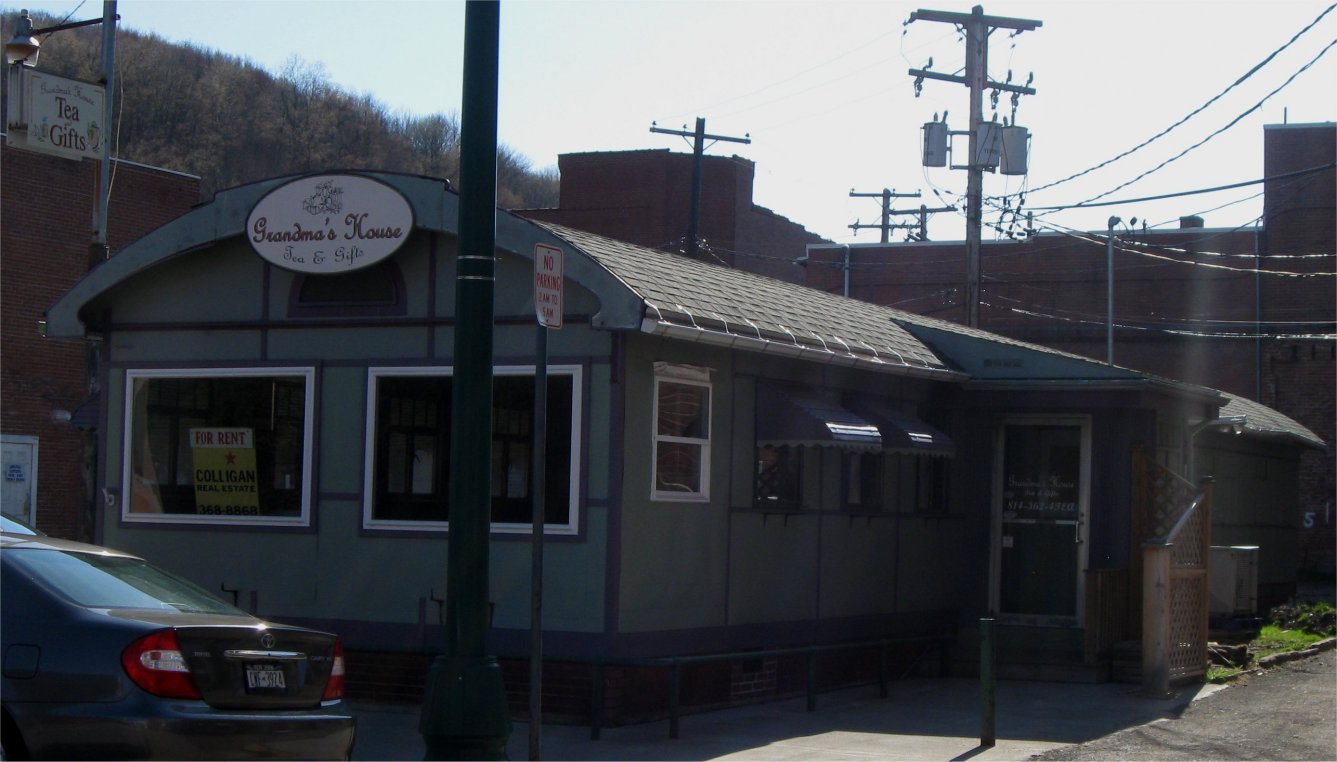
x: 1184, y: 517
x: 675, y: 664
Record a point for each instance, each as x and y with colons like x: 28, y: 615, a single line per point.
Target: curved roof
x: 1261, y: 420
x: 435, y: 208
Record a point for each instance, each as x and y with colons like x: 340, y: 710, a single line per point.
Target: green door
x: 1041, y: 512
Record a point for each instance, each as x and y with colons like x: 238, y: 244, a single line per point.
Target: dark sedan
x: 108, y: 657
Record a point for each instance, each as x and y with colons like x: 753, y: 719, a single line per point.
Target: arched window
x: 375, y: 290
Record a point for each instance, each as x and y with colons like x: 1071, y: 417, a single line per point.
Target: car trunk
x: 258, y: 668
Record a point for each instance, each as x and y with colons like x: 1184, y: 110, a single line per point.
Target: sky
x: 822, y: 90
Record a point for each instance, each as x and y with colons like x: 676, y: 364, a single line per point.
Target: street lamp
x: 22, y: 50
x: 1232, y: 423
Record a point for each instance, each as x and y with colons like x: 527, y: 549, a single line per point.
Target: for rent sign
x: 223, y: 462
x: 327, y: 224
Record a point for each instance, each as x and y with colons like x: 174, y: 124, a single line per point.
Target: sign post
x: 548, y: 283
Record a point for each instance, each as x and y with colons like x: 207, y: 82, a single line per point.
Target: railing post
x: 988, y: 685
x: 675, y: 681
x: 596, y: 701
x: 882, y: 670
x: 812, y: 681
x: 1156, y: 618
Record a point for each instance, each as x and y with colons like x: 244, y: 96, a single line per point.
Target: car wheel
x: 11, y: 742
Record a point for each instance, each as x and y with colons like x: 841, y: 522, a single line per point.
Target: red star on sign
x: 231, y: 459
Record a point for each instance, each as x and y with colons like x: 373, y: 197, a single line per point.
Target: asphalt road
x: 1288, y: 712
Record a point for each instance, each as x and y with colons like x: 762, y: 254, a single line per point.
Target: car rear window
x: 116, y: 582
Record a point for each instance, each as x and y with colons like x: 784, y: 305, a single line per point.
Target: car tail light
x: 156, y: 664
x: 334, y: 687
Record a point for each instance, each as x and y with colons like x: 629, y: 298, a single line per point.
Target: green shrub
x: 1313, y: 618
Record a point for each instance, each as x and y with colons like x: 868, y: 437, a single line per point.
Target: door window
x: 1041, y: 523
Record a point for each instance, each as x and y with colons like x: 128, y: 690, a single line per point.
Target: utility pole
x: 699, y: 138
x: 923, y: 212
x: 886, y: 196
x: 978, y: 27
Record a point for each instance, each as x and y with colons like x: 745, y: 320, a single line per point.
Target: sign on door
x: 18, y: 491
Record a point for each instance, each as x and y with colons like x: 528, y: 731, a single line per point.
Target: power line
x: 1227, y: 126
x: 1073, y: 233
x: 790, y: 78
x: 1088, y: 205
x: 1157, y: 329
x: 1199, y: 109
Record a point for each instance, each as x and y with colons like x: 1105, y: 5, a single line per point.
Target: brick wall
x: 1299, y: 375
x: 644, y: 197
x: 46, y: 221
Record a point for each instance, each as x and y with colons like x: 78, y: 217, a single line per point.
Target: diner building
x: 735, y: 464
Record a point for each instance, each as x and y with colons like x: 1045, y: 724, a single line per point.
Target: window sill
x: 671, y: 498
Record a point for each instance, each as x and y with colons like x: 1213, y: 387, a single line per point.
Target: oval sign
x: 328, y: 224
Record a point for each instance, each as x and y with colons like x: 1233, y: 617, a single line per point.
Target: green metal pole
x: 464, y: 714
x: 988, y: 686
x: 539, y: 497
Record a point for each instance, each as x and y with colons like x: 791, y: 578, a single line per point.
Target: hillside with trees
x: 230, y: 122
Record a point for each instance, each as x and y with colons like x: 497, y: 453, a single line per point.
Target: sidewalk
x: 921, y: 719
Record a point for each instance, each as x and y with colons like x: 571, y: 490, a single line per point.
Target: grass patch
x: 1291, y: 628
x: 1273, y: 639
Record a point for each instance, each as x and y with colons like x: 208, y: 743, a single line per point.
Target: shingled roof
x: 698, y: 301
x: 1261, y: 420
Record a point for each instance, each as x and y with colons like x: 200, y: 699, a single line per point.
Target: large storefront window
x: 408, y: 477
x: 218, y: 445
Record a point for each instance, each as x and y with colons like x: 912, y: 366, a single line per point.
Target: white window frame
x: 686, y: 375
x: 308, y: 374
x: 374, y: 375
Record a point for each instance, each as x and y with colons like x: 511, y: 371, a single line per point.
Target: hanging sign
x: 548, y: 283
x: 58, y: 115
x: 223, y: 461
x: 329, y: 224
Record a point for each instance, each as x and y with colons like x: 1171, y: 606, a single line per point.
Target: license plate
x: 265, y: 677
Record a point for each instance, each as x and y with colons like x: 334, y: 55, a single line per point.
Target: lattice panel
x: 1170, y: 495
x: 1188, y: 628
x: 1190, y: 547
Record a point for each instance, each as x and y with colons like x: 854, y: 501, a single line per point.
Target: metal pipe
x: 845, y: 265
x: 108, y: 124
x: 1109, y: 291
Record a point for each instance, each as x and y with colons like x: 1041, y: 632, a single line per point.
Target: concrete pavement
x: 921, y: 719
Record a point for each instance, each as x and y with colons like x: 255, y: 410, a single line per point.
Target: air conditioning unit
x: 1232, y: 580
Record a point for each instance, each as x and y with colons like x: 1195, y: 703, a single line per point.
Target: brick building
x: 644, y: 197
x: 46, y: 207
